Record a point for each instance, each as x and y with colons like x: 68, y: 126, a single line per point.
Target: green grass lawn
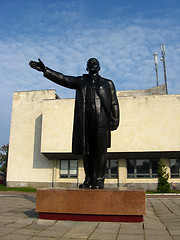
x: 18, y: 189
x: 155, y: 192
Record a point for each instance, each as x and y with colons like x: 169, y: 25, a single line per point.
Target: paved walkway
x: 19, y: 221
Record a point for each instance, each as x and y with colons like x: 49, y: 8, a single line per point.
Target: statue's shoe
x: 86, y: 184
x: 97, y: 187
x: 98, y: 184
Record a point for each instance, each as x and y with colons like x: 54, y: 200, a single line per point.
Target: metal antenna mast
x: 164, y: 65
x: 156, y: 63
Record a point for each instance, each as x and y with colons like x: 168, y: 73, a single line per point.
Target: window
x: 142, y: 168
x: 175, y: 168
x: 68, y: 168
x: 112, y: 169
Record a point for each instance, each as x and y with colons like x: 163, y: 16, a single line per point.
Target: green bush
x: 163, y: 184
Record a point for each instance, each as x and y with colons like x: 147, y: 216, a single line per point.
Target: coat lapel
x: 103, y: 92
x: 84, y: 86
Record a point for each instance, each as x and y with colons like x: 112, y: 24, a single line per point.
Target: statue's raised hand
x: 39, y: 66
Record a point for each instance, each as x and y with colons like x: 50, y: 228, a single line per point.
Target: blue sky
x: 121, y: 34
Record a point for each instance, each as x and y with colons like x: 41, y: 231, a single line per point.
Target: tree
x: 4, y: 160
x: 163, y: 184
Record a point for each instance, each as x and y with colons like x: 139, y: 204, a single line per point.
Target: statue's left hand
x: 39, y: 66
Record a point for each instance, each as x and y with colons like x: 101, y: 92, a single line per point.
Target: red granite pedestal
x: 107, y: 205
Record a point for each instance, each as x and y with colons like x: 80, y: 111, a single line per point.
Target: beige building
x: 41, y: 137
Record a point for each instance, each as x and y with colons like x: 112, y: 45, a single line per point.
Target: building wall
x: 147, y: 123
x: 57, y: 126
x: 27, y: 165
x: 159, y: 90
x: 42, y: 124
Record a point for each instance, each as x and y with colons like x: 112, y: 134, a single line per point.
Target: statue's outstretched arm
x: 56, y: 77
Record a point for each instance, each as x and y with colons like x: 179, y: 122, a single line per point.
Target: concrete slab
x: 15, y: 237
x: 174, y: 226
x: 24, y: 231
x: 149, y: 237
x: 175, y: 232
x: 26, y: 220
x: 176, y: 237
x: 52, y: 234
x: 76, y: 235
x: 105, y: 227
x: 44, y: 238
x: 130, y: 237
x: 101, y: 236
x: 84, y: 228
x: 69, y: 223
x: 36, y: 227
x: 152, y: 226
x: 5, y: 230
x: 132, y: 231
x: 45, y: 222
x: 156, y: 232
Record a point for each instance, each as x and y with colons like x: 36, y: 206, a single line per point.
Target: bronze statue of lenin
x: 96, y: 114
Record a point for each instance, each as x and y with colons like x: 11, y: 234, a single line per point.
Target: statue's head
x: 93, y: 65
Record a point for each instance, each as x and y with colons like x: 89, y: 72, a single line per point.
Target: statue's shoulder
x: 106, y: 81
x: 85, y: 76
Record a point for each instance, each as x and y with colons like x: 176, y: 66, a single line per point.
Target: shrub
x: 163, y: 184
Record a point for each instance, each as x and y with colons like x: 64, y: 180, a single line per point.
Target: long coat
x: 106, y: 106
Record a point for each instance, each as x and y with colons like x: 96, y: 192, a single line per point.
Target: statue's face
x: 93, y: 65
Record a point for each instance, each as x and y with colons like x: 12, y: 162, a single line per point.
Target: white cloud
x: 124, y: 48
